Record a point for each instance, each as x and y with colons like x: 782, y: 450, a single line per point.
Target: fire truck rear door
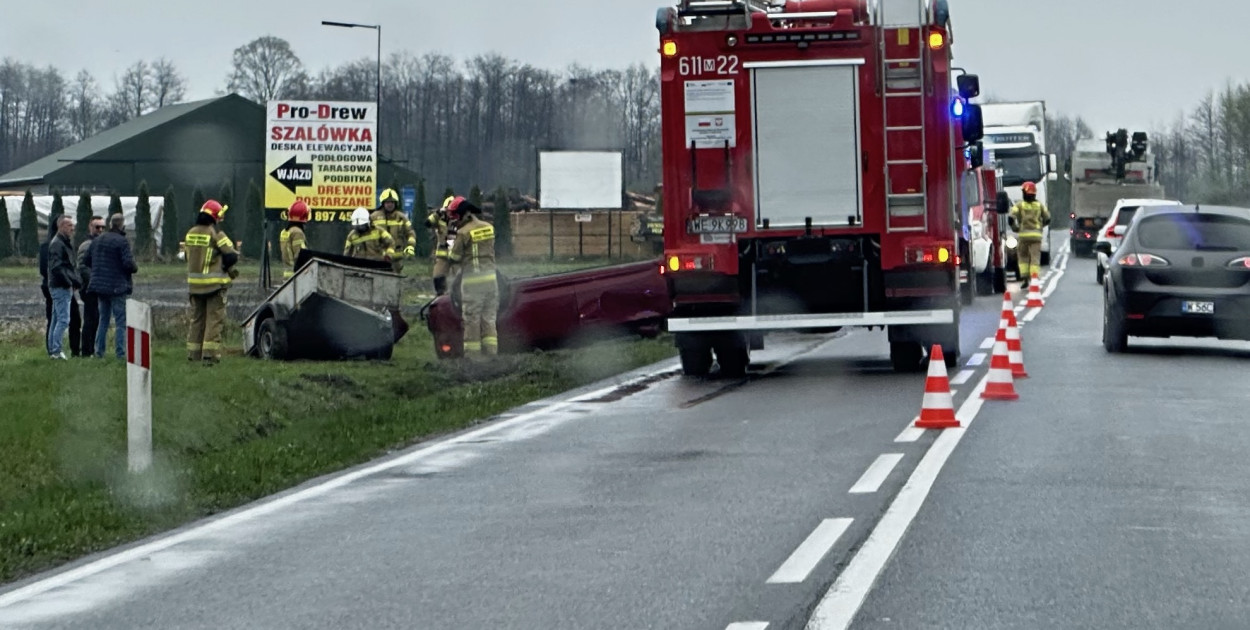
x: 805, y: 123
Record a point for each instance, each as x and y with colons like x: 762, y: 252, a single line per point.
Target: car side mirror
x: 1119, y: 230
x: 1002, y: 203
x: 1103, y: 247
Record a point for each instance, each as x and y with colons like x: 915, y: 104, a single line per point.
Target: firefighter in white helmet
x: 367, y: 240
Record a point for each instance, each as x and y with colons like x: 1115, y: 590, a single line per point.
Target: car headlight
x: 1011, y: 242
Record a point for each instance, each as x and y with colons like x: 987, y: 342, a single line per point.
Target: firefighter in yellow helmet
x: 444, y: 234
x: 292, y: 239
x: 367, y: 240
x: 472, y: 258
x: 390, y: 218
x: 211, y: 258
x: 1028, y: 217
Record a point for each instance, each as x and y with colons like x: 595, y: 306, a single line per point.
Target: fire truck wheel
x: 906, y: 356
x: 733, y: 359
x: 967, y: 291
x: 1000, y: 281
x: 696, y: 354
x: 1045, y: 259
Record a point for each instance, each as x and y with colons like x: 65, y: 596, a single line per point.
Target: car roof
x: 1231, y: 211
x: 1147, y: 202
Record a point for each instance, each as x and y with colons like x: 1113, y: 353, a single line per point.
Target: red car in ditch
x: 563, y: 309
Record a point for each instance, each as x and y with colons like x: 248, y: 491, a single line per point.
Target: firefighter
x: 211, y: 258
x: 472, y: 259
x: 292, y: 239
x: 367, y: 240
x: 1028, y: 217
x: 444, y: 234
x: 390, y: 218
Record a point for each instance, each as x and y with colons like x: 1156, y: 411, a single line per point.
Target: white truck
x: 1102, y: 173
x: 1015, y: 142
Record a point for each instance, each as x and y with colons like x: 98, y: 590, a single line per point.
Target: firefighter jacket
x: 398, y: 226
x: 473, y: 252
x: 443, y: 234
x: 1030, y: 217
x: 376, y: 244
x: 291, y: 241
x: 210, y: 259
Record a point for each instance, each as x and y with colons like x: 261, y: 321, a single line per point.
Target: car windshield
x: 1019, y: 166
x: 1211, y: 232
x: 1126, y: 215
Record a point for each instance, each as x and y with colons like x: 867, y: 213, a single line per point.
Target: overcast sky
x: 1116, y: 62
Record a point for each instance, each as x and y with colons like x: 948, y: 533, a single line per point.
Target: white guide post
x: 138, y: 385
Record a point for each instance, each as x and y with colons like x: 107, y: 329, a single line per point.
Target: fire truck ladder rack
x: 903, y: 100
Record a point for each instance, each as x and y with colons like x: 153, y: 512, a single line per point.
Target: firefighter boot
x: 440, y: 285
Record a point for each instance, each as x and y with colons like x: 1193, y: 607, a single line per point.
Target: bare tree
x: 266, y: 69
x: 168, y: 85
x: 86, y: 108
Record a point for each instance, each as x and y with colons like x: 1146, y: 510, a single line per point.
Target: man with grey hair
x: 63, y: 281
x: 112, y: 265
x: 90, y: 305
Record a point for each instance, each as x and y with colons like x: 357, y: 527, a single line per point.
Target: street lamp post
x: 377, y: 94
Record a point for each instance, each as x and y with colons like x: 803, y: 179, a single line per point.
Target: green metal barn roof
x: 37, y: 171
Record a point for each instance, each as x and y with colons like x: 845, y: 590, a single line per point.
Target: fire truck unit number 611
x: 722, y: 65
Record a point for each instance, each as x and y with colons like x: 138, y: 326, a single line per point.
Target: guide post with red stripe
x: 138, y: 385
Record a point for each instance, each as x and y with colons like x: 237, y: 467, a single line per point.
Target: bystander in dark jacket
x: 112, y: 265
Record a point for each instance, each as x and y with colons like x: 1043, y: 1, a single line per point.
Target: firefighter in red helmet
x: 472, y: 259
x: 211, y: 258
x: 292, y: 240
x: 1028, y: 217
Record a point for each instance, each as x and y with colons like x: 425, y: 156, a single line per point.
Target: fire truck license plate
x: 1198, y: 308
x: 716, y: 225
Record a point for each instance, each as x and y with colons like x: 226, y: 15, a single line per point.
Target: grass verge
x: 232, y: 433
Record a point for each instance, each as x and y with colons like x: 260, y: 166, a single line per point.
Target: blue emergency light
x: 958, y: 106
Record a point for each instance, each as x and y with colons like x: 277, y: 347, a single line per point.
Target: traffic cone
x: 1035, y: 293
x: 1015, y: 349
x: 999, y: 385
x: 1009, y: 306
x: 1009, y: 331
x: 937, y: 411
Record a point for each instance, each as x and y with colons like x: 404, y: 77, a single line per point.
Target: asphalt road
x: 651, y: 502
x: 1113, y: 495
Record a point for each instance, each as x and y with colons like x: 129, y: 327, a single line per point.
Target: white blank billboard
x: 580, y: 180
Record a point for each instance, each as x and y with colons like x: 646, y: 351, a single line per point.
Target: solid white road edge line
x: 247, y: 514
x: 805, y: 558
x: 748, y: 625
x: 840, y: 604
x: 877, y: 472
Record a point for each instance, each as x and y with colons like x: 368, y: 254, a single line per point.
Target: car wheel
x: 1099, y: 274
x: 1114, y: 335
x: 1045, y: 259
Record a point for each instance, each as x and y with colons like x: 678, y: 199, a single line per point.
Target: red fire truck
x: 811, y: 166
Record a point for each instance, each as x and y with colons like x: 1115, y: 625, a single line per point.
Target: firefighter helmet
x: 457, y: 208
x: 360, y: 217
x: 388, y: 195
x: 447, y: 201
x: 1029, y: 188
x: 298, y: 212
x: 214, y: 209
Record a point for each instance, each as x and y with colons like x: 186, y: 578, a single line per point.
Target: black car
x: 1181, y: 271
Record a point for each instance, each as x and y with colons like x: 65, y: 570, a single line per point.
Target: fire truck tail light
x: 936, y: 40
x: 689, y: 262
x: 670, y: 49
x: 930, y: 254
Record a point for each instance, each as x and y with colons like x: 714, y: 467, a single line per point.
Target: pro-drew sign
x: 323, y: 153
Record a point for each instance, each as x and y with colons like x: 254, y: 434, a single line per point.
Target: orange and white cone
x: 1015, y: 349
x: 1035, y: 293
x: 1000, y: 385
x: 1009, y: 331
x: 1009, y: 307
x: 937, y: 411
